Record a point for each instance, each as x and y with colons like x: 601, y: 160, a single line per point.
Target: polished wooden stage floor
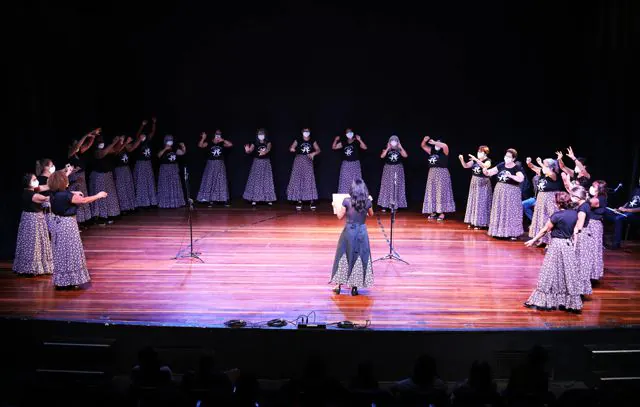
x: 267, y: 263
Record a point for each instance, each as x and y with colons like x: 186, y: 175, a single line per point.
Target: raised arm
x: 519, y: 177
x: 141, y: 128
x: 566, y: 180
x: 131, y: 145
x: 579, y: 165
x: 563, y: 167
x: 425, y: 144
x: 227, y: 143
x: 164, y: 150
x: 533, y: 167
x: 465, y: 164
x: 403, y: 152
x: 202, y: 143
x: 337, y: 145
x: 182, y: 149
x: 385, y: 151
x: 108, y: 149
x: 292, y: 147
x: 248, y: 148
x: 443, y: 146
x: 153, y: 128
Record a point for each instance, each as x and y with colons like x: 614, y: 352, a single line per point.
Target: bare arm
x: 341, y: 211
x: 465, y: 164
x: 359, y: 140
x: 139, y: 132
x: 202, y: 143
x: 579, y: 165
x: 490, y: 172
x: 227, y: 143
x: 316, y: 149
x: 546, y: 229
x: 164, y: 150
x: 370, y: 212
x: 182, y: 149
x: 403, y: 152
x: 443, y: 146
x: 519, y: 177
x: 130, y: 146
x: 533, y: 167
x: 248, y: 148
x: 580, y: 224
x: 39, y: 199
x: 385, y: 151
x: 337, y: 145
x: 563, y: 167
x: 425, y: 144
x: 83, y: 200
x: 293, y: 146
x: 153, y: 128
x: 566, y: 181
x: 108, y: 149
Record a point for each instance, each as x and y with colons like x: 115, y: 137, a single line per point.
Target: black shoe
x: 354, y: 291
x: 337, y: 289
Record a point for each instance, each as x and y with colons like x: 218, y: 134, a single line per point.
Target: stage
x: 265, y: 263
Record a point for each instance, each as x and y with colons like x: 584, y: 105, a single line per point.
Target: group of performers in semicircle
x: 566, y: 213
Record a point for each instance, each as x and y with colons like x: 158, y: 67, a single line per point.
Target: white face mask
x: 393, y: 143
x: 438, y: 148
x: 169, y: 143
x: 261, y: 137
x: 577, y: 171
x: 218, y: 136
x: 306, y: 134
x: 143, y: 138
x: 481, y: 155
x: 52, y: 169
x: 350, y: 135
x: 592, y: 191
x: 35, y: 183
x: 100, y: 146
x: 508, y: 160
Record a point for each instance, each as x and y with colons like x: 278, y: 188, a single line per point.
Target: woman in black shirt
x: 585, y: 243
x: 101, y: 179
x: 438, y: 194
x: 549, y: 183
x: 214, y: 186
x: 259, y: 186
x: 598, y: 202
x: 170, y: 193
x: 352, y: 264
x: 559, y: 282
x: 69, y: 263
x: 506, y: 208
x: 78, y: 177
x: 480, y: 191
x: 350, y: 169
x: 122, y: 173
x: 392, y: 184
x: 33, y: 248
x: 302, y: 183
x: 143, y: 177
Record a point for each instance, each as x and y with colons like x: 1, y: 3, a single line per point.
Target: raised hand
x: 426, y: 139
x: 559, y: 155
x: 247, y: 148
x: 183, y: 146
x: 144, y: 122
x: 570, y: 153
x: 153, y: 119
x: 539, y: 161
x: 528, y: 160
x: 203, y: 135
x: 461, y: 157
x: 358, y: 137
x: 473, y: 157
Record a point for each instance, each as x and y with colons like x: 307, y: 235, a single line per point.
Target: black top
x: 546, y: 184
x: 304, y: 147
x: 27, y: 201
x: 78, y: 161
x: 42, y: 180
x: 564, y: 222
x: 438, y: 159
x: 634, y: 202
x: 61, y: 204
x: 261, y: 146
x: 598, y: 213
x: 122, y: 159
x: 502, y: 170
x: 393, y: 157
x: 586, y: 208
x: 476, y: 170
x: 353, y: 216
x: 144, y: 151
x: 216, y: 151
x: 104, y: 164
x: 350, y: 152
x: 169, y: 157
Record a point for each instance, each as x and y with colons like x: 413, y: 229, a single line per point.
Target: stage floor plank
x: 267, y: 263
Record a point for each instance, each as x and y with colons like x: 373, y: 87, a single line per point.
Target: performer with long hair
x: 480, y: 191
x: 506, y: 208
x: 302, y: 183
x: 33, y: 248
x: 69, y: 262
x: 392, y: 184
x: 260, y: 186
x: 214, y: 186
x: 350, y: 169
x: 559, y: 281
x: 438, y: 194
x: 352, y: 264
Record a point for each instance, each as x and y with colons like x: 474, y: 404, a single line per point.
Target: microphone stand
x: 393, y: 255
x: 190, y: 209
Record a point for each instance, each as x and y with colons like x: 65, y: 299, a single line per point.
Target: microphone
x: 617, y: 188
